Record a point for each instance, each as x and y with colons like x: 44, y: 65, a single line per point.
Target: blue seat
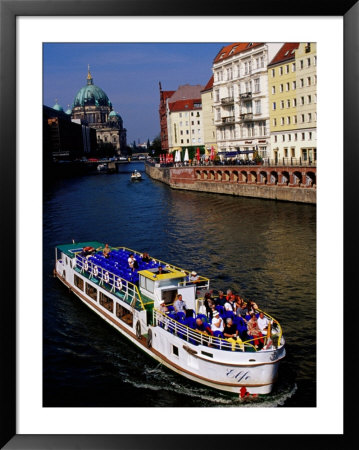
x: 190, y: 322
x: 180, y: 316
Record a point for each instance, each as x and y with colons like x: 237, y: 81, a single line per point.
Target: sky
x: 129, y: 74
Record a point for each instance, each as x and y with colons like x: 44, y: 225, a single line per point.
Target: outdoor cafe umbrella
x: 198, y: 154
x: 186, y: 157
x: 178, y: 156
x: 212, y: 153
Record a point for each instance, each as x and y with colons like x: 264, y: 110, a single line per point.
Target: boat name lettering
x: 239, y: 376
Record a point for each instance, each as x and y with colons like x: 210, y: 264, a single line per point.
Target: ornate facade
x: 92, y: 107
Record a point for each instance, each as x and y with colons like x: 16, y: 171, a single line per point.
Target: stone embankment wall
x: 294, y: 184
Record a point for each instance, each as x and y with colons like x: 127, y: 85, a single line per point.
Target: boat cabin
x: 164, y: 285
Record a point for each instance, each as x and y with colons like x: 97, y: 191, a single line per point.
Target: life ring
x: 95, y: 271
x: 138, y: 329
x: 149, y: 338
x: 119, y: 284
x: 106, y: 277
x: 86, y: 265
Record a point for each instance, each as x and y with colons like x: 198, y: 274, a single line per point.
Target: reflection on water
x: 264, y: 249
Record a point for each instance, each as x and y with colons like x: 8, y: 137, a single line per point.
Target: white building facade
x: 240, y: 98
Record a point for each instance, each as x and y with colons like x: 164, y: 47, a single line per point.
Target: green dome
x: 68, y: 111
x: 91, y: 95
x: 57, y: 107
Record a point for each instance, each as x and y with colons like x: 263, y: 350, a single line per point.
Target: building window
x: 301, y: 64
x: 308, y: 62
x: 257, y: 85
x: 310, y: 135
x: 302, y: 118
x: 293, y: 67
x: 308, y: 81
x: 309, y: 98
x: 287, y: 68
x: 309, y: 117
x: 285, y: 153
x: 294, y: 85
x: 275, y: 138
x: 288, y: 103
x: 295, y: 136
x: 273, y: 73
x: 302, y: 100
x: 280, y: 70
x: 274, y: 122
x: 282, y: 104
x: 273, y: 89
x: 180, y: 114
x: 274, y: 106
x: 288, y: 120
x: 283, y: 137
x: 282, y: 120
x: 294, y: 119
x: 287, y: 87
x: 294, y: 102
x: 257, y: 105
x: 301, y: 82
x: 303, y: 136
x: 281, y: 88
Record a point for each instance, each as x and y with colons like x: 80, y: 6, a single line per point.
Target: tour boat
x: 133, y: 300
x: 136, y: 175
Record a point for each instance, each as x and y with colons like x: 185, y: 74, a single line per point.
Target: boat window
x: 106, y: 302
x: 142, y: 282
x: 91, y: 291
x: 124, y: 314
x: 207, y: 354
x: 79, y: 282
x: 175, y: 350
x: 150, y: 285
x: 169, y: 296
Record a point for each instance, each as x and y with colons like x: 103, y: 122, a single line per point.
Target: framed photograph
x: 43, y: 44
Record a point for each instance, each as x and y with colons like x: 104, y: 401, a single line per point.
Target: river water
x: 264, y: 249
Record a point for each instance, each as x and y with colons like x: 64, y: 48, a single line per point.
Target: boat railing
x: 277, y: 338
x: 128, y: 291
x: 196, y: 337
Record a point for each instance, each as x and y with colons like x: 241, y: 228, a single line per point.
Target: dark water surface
x: 264, y: 249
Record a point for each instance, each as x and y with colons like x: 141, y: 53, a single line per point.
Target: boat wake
x: 159, y: 379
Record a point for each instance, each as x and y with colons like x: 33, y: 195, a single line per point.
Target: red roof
x: 209, y: 85
x: 233, y: 49
x: 167, y: 94
x: 185, y: 105
x: 285, y: 53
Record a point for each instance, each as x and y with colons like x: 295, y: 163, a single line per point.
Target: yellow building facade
x: 292, y: 102
x: 209, y: 129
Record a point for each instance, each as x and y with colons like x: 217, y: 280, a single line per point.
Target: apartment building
x: 292, y: 97
x: 209, y: 128
x: 240, y: 98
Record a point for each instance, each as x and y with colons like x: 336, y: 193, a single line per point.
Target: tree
x: 156, y: 146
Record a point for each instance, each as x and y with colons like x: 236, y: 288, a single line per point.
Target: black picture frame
x: 9, y: 10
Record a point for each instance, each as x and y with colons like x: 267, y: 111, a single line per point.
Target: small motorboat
x: 136, y: 175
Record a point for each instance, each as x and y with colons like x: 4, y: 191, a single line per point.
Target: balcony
x: 227, y: 100
x: 245, y: 117
x: 228, y: 119
x: 245, y: 96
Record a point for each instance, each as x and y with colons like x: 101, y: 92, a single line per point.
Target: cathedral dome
x: 57, y: 107
x: 91, y: 95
